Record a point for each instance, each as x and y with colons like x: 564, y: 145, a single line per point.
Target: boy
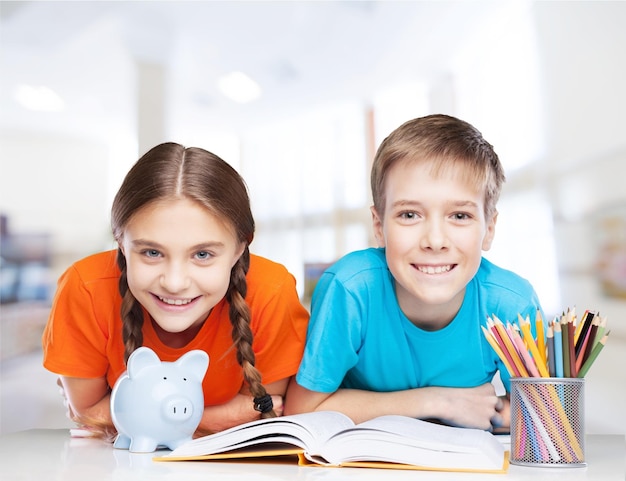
x: 396, y: 329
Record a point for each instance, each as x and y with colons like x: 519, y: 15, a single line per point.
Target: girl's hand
x: 238, y: 410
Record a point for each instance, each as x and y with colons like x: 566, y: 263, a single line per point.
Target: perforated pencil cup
x: 547, y: 422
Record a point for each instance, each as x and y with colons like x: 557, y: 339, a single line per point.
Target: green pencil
x: 594, y: 354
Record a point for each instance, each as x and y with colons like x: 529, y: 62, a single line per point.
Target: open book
x: 332, y: 439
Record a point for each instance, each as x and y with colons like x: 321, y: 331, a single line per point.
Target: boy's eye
x: 408, y: 215
x: 461, y: 216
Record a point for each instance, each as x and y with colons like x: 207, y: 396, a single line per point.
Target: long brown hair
x: 170, y: 170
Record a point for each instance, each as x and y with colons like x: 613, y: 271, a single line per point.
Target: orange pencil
x: 504, y: 337
x: 496, y: 347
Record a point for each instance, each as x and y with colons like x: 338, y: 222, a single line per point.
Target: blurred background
x: 297, y: 95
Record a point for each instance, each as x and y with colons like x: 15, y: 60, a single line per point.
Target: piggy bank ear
x: 140, y: 359
x: 196, y: 362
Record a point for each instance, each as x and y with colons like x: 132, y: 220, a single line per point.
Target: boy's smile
x: 434, y: 231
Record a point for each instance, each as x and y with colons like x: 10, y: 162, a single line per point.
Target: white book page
x: 307, y: 431
x: 410, y: 436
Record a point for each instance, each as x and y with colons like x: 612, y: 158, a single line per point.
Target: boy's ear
x: 377, y: 224
x: 490, y: 232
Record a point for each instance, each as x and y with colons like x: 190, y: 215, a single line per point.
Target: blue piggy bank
x: 157, y: 403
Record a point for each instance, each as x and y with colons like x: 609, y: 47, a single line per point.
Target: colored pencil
x: 566, y: 342
x: 600, y: 332
x: 585, y: 324
x: 541, y: 341
x: 507, y: 354
x: 537, y: 420
x: 531, y: 367
x: 494, y: 344
x: 558, y: 349
x: 508, y: 344
x: 550, y: 343
x: 594, y: 354
x: 571, y: 328
x: 587, y: 344
x: 534, y: 350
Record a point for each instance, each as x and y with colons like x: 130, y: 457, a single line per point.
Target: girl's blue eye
x: 152, y: 253
x: 203, y: 255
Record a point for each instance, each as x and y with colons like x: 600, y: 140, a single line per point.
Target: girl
x: 182, y: 278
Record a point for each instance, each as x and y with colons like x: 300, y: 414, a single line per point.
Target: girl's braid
x: 131, y: 312
x: 242, y: 334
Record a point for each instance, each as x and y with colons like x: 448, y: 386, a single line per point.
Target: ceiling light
x: 39, y: 98
x: 239, y: 87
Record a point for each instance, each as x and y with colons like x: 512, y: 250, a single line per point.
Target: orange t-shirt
x: 83, y: 337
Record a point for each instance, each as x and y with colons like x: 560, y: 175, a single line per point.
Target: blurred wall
x: 585, y: 137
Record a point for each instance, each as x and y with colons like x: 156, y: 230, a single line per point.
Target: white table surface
x: 51, y: 454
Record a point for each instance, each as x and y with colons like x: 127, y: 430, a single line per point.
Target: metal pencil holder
x: 547, y: 422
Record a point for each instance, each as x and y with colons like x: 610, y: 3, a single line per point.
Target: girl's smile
x: 176, y: 302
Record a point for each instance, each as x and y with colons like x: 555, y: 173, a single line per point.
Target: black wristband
x: 263, y: 404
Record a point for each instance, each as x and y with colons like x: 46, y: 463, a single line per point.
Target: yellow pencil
x: 541, y: 366
x: 541, y: 339
x: 509, y: 346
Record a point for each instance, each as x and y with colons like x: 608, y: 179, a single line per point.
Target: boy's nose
x: 434, y: 236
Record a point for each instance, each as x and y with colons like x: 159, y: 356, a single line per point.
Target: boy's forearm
x: 469, y: 407
x: 361, y: 405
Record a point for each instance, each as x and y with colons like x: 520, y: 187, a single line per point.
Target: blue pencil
x: 558, y: 349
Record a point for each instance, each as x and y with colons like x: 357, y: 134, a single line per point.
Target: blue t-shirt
x: 359, y: 338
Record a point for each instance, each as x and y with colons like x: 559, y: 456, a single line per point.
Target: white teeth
x: 175, y: 302
x: 434, y: 270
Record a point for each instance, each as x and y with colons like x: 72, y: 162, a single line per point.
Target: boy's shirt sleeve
x: 334, y: 336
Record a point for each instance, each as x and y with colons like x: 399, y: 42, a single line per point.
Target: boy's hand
x: 477, y: 407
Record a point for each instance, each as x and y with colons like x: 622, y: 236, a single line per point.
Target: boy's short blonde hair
x: 447, y: 142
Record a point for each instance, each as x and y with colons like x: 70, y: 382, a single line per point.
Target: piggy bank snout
x: 177, y: 408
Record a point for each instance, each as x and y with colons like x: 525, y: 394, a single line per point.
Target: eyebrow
x: 197, y: 247
x: 456, y: 203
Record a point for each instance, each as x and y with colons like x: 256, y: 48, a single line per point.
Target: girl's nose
x: 175, y: 278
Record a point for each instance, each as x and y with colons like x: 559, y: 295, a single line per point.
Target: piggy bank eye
x: 165, y: 378
x: 184, y: 379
